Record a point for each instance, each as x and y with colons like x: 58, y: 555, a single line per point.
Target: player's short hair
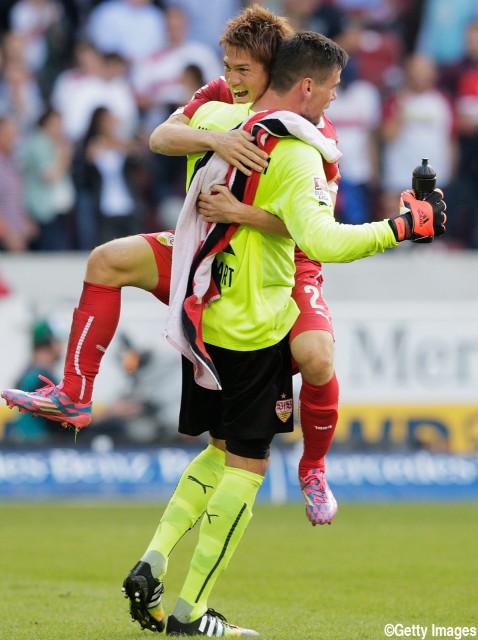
x: 258, y: 31
x: 305, y: 54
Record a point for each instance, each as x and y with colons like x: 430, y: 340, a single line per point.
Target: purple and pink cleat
x: 320, y: 503
x: 50, y: 402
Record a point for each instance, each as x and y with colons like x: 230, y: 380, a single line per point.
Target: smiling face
x: 246, y: 78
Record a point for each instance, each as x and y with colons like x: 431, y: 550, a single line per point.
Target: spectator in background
x: 16, y: 228
x: 108, y: 164
x: 20, y: 93
x: 168, y: 173
x: 46, y: 351
x: 405, y: 22
x: 168, y: 177
x: 418, y: 122
x: 314, y: 15
x: 73, y: 87
x: 133, y: 28
x: 48, y: 31
x: 379, y: 58
x: 158, y: 79
x: 117, y: 93
x: 207, y: 20
x: 441, y: 35
x: 370, y: 11
x: 158, y: 82
x: 98, y: 80
x: 34, y: 20
x: 450, y: 75
x: 9, y: 190
x: 49, y: 191
x: 76, y: 93
x: 13, y: 47
x: 356, y: 115
x: 464, y: 225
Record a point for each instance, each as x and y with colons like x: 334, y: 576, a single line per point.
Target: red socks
x: 93, y: 326
x: 318, y: 417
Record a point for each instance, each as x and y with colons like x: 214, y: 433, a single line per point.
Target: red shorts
x: 307, y: 293
x: 162, y: 246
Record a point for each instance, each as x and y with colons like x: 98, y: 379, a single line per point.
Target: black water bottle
x: 424, y: 180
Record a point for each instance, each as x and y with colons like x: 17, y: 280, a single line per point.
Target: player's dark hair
x: 257, y: 31
x: 305, y: 54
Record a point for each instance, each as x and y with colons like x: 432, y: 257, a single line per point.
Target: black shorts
x: 254, y: 404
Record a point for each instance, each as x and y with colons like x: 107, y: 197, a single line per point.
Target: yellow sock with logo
x: 188, y: 502
x: 225, y: 520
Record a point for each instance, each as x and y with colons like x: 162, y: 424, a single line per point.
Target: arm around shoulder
x: 174, y: 137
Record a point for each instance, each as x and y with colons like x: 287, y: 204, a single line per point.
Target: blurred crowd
x: 84, y: 82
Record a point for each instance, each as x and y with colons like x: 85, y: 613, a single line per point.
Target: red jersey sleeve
x: 331, y: 169
x: 328, y: 129
x: 216, y: 90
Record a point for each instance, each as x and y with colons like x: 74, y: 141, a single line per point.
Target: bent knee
x: 114, y: 263
x: 317, y: 370
x: 104, y: 264
x: 316, y: 362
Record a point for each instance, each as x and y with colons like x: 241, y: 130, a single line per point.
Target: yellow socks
x: 226, y: 518
x: 188, y: 502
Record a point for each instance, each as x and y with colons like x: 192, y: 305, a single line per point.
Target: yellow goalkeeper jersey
x: 257, y: 270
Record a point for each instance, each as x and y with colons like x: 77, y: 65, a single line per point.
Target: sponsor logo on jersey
x: 321, y: 191
x: 224, y: 273
x: 284, y: 408
x: 166, y: 238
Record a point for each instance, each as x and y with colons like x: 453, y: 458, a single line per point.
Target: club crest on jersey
x: 321, y: 190
x: 284, y: 409
x: 166, y: 238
